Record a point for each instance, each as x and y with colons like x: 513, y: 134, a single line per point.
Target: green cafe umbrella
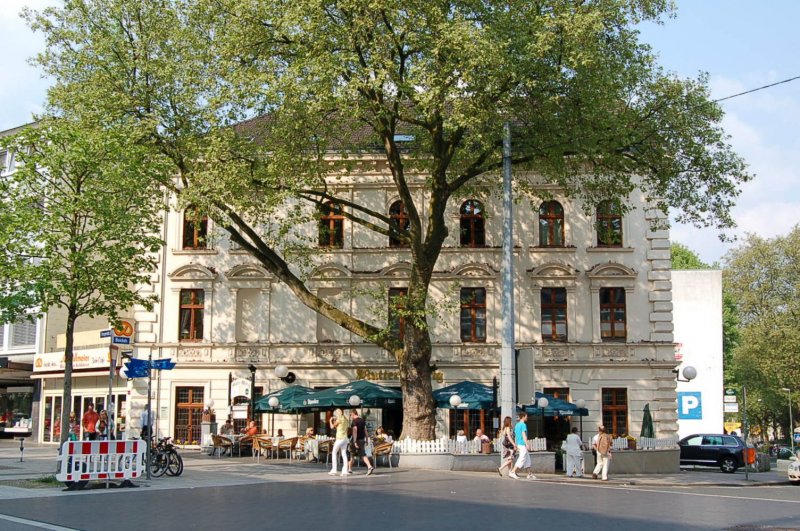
x: 556, y: 407
x: 647, y: 423
x: 371, y: 395
x: 289, y: 399
x: 473, y: 396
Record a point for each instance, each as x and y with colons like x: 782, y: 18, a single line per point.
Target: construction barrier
x: 86, y: 460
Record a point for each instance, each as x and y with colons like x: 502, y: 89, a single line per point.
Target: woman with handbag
x: 507, y: 443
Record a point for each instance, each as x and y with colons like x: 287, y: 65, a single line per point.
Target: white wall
x: 697, y: 315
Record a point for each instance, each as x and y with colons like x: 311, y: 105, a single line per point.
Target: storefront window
x: 15, y: 408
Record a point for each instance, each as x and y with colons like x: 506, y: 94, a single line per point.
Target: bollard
x: 21, y: 447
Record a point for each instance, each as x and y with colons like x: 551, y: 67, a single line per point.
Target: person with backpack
x: 603, y: 447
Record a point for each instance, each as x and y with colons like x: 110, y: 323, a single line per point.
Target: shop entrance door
x: 188, y: 414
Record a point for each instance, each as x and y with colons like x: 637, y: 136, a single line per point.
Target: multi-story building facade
x: 592, y: 297
x: 19, y: 341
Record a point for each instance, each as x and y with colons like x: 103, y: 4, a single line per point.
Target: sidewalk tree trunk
x: 424, y: 87
x: 79, y: 228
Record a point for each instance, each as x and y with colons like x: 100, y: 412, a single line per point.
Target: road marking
x: 34, y: 523
x: 657, y: 491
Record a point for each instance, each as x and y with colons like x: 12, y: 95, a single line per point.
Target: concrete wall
x: 697, y: 296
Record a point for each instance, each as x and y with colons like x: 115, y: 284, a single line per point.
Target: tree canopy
x: 262, y: 105
x: 762, y: 277
x: 80, y: 226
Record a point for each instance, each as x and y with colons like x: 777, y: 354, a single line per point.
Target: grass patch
x: 44, y: 482
x: 49, y: 481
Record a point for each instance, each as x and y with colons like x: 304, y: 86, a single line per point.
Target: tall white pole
x: 507, y: 369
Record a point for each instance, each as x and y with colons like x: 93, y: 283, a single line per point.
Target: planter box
x: 639, y: 462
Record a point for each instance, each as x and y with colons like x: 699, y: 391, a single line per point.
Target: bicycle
x: 164, y: 458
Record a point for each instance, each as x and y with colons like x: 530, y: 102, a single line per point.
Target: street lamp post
x: 581, y: 403
x: 791, y: 420
x: 252, y: 391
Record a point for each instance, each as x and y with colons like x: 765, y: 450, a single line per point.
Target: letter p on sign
x: 690, y: 405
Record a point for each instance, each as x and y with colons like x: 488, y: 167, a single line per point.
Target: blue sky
x: 740, y: 44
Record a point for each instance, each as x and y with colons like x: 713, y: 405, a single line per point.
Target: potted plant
x: 631, y: 442
x: 209, y: 415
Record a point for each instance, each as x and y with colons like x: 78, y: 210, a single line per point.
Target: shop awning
x: 473, y: 396
x: 290, y: 400
x: 371, y: 395
x: 556, y: 407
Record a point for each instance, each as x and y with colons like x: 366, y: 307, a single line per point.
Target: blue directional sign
x: 105, y: 333
x: 690, y: 405
x: 797, y: 438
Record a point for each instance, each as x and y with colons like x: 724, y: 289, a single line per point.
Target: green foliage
x: 761, y: 275
x: 685, y: 258
x: 79, y: 228
x: 591, y: 113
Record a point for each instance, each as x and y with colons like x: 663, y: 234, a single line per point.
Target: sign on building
x: 690, y: 405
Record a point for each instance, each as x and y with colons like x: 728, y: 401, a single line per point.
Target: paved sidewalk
x: 202, y: 470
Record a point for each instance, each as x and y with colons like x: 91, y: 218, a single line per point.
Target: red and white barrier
x: 85, y: 460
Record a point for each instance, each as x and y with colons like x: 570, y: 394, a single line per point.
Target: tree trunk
x: 419, y: 409
x: 66, y: 401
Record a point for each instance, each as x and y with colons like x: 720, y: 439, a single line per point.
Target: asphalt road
x: 413, y: 500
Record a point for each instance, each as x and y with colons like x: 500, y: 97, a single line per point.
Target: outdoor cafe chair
x: 261, y: 445
x: 383, y: 449
x: 287, y: 445
x: 221, y: 445
x: 325, y: 447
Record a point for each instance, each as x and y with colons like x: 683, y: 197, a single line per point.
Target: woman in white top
x: 574, y: 449
x: 340, y: 423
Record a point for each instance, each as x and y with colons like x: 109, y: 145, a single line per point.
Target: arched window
x: 195, y: 229
x: 473, y: 233
x: 331, y: 226
x: 551, y: 224
x: 609, y: 224
x: 399, y: 223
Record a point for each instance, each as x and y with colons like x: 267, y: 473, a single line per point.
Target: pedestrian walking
x: 574, y: 449
x: 358, y: 440
x: 604, y: 444
x: 521, y: 440
x: 340, y: 424
x: 507, y: 446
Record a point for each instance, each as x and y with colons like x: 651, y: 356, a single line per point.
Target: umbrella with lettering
x: 289, y: 400
x: 369, y: 393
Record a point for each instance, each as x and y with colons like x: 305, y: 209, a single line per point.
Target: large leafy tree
x: 591, y: 113
x: 80, y: 227
x: 762, y: 276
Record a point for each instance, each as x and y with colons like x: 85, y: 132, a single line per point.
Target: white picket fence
x: 646, y: 443
x: 452, y: 446
x: 649, y: 443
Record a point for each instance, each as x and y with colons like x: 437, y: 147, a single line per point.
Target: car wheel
x: 728, y: 465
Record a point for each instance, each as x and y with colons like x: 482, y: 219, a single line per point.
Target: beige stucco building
x: 593, y: 313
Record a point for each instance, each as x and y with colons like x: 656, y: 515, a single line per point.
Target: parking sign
x: 690, y: 405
